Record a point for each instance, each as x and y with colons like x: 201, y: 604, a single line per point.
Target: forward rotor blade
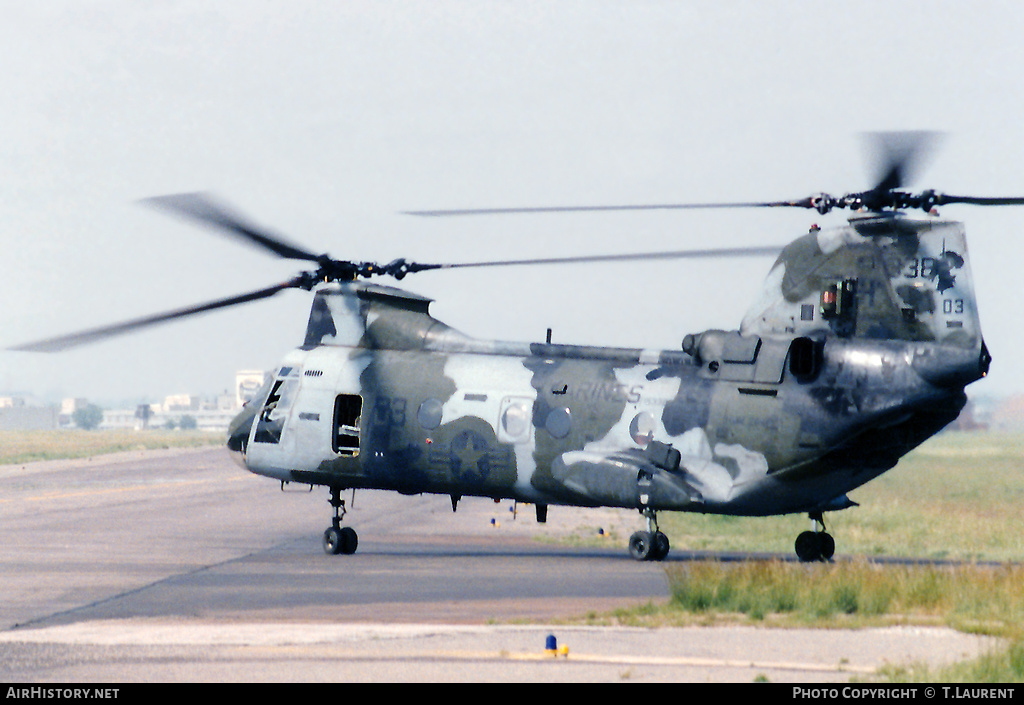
x: 199, y: 206
x: 802, y: 203
x: 93, y: 335
x: 681, y: 254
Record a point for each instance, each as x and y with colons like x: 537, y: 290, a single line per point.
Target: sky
x: 326, y: 121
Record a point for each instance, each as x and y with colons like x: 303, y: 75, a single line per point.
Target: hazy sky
x: 323, y: 121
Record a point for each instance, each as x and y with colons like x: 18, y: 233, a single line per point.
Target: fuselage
x: 775, y: 426
x: 857, y: 351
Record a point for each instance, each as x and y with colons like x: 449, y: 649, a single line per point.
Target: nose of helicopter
x: 238, y: 433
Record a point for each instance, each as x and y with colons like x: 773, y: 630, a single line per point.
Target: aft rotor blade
x: 93, y: 335
x: 801, y: 203
x: 680, y: 254
x: 944, y: 198
x: 201, y: 207
x: 899, y: 155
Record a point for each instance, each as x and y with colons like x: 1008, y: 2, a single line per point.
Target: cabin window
x: 347, y: 410
x: 429, y: 414
x: 641, y: 428
x: 558, y: 422
x: 516, y: 420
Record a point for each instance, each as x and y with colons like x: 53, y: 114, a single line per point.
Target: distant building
x: 28, y: 418
x: 227, y: 401
x: 152, y: 416
x: 1008, y: 414
x: 72, y: 404
x: 213, y: 413
x: 210, y: 413
x: 181, y: 402
x: 247, y: 383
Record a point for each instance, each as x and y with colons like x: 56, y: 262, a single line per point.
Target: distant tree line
x: 185, y: 423
x: 87, y: 417
x: 90, y: 417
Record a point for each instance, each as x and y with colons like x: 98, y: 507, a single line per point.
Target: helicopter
x: 857, y: 350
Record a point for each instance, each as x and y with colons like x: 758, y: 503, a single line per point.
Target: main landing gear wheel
x: 650, y: 545
x: 817, y: 545
x: 338, y: 539
x: 343, y: 540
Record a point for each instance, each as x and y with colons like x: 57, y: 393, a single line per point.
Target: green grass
x: 1000, y: 666
x: 27, y: 446
x: 969, y: 597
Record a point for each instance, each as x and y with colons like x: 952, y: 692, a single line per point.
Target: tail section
x: 880, y: 277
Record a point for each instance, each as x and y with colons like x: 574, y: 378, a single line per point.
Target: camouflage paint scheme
x: 857, y: 350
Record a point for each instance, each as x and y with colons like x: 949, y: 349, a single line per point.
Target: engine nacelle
x: 621, y: 479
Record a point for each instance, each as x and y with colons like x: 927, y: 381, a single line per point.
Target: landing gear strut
x: 338, y: 539
x: 650, y: 545
x: 817, y: 545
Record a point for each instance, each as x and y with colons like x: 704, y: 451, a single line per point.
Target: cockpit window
x: 275, y: 409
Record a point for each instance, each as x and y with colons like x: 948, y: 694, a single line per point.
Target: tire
x: 826, y: 546
x: 641, y: 545
x: 808, y: 548
x: 661, y: 547
x: 349, y: 540
x: 332, y: 541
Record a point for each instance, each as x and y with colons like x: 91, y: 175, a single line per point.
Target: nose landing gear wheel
x: 338, y: 539
x: 343, y: 540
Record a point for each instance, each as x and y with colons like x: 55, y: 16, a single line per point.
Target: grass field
x: 27, y: 446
